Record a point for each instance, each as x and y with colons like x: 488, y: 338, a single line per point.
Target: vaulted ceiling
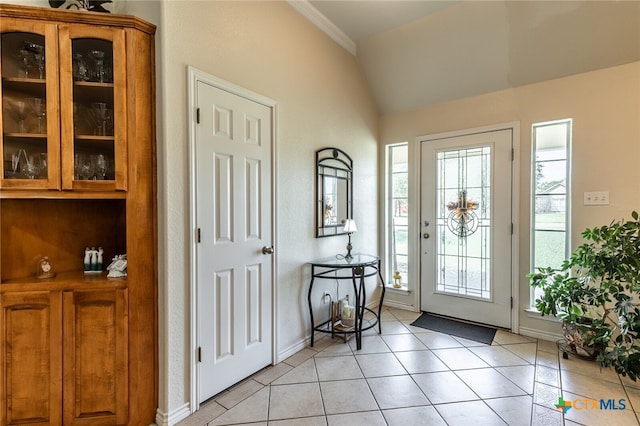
x: 422, y: 52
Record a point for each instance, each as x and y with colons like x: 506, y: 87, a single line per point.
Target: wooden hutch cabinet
x: 77, y: 171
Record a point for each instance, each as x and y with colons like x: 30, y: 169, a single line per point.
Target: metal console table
x: 356, y: 269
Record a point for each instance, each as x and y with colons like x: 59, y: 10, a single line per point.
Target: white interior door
x: 233, y: 216
x: 466, y: 227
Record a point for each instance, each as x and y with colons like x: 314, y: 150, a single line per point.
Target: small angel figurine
x: 92, y: 260
x: 87, y: 259
x: 98, y: 266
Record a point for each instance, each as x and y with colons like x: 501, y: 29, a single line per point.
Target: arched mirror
x: 334, y: 191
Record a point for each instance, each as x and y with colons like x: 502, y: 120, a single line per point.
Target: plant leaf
x: 98, y: 9
x: 97, y: 4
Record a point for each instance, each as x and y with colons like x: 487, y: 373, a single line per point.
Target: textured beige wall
x: 605, y: 108
x: 323, y: 100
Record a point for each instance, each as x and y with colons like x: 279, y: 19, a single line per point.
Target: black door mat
x: 477, y: 333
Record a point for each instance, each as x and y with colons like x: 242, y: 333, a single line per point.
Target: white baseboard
x: 169, y: 419
x: 538, y: 334
x: 398, y: 305
x: 292, y: 350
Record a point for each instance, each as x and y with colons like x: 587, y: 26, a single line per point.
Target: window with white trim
x: 550, y: 219
x: 397, y: 215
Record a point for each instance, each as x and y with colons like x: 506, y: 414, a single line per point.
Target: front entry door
x: 233, y: 217
x: 466, y: 227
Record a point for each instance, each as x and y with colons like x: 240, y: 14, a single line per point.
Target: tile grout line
x: 551, y: 360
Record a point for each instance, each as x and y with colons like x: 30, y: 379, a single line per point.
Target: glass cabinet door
x: 92, y: 88
x: 29, y: 121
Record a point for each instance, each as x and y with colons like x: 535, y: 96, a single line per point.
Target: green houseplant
x: 90, y: 5
x: 596, y: 293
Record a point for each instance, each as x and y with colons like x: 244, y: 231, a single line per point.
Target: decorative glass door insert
x: 28, y: 113
x: 463, y: 228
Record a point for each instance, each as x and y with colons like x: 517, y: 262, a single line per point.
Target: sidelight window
x: 397, y: 197
x: 550, y: 218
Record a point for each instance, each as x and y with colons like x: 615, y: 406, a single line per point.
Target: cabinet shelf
x: 22, y: 136
x: 93, y: 84
x: 21, y: 82
x: 86, y: 92
x: 95, y: 139
x: 74, y: 280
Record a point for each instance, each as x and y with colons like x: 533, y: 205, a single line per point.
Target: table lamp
x: 349, y: 227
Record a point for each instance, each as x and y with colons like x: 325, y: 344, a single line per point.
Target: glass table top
x: 339, y: 261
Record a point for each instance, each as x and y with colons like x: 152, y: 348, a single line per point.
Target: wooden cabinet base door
x: 95, y: 358
x: 30, y: 351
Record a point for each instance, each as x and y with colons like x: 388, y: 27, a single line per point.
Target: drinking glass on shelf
x: 42, y: 165
x: 100, y: 112
x: 38, y: 56
x: 100, y: 167
x: 80, y: 69
x: 109, y: 124
x: 108, y: 72
x: 40, y: 110
x: 98, y: 58
x: 15, y: 162
x: 85, y: 171
x: 30, y: 169
x: 24, y: 57
x: 76, y: 167
x: 20, y: 110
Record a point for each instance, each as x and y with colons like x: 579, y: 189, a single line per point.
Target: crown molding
x: 307, y: 10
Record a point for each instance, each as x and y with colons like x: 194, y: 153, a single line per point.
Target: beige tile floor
x: 412, y: 376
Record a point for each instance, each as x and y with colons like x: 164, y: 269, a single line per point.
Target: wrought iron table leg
x: 358, y: 316
x: 313, y: 328
x: 381, y: 301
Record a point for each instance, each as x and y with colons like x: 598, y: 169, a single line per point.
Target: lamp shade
x: 350, y: 226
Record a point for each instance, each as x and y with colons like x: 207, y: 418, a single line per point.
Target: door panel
x: 253, y: 319
x: 252, y: 208
x: 233, y: 214
x: 466, y: 227
x: 96, y: 356
x: 30, y: 348
x: 223, y: 226
x: 224, y: 315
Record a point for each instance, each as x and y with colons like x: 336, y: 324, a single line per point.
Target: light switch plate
x: 598, y: 198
